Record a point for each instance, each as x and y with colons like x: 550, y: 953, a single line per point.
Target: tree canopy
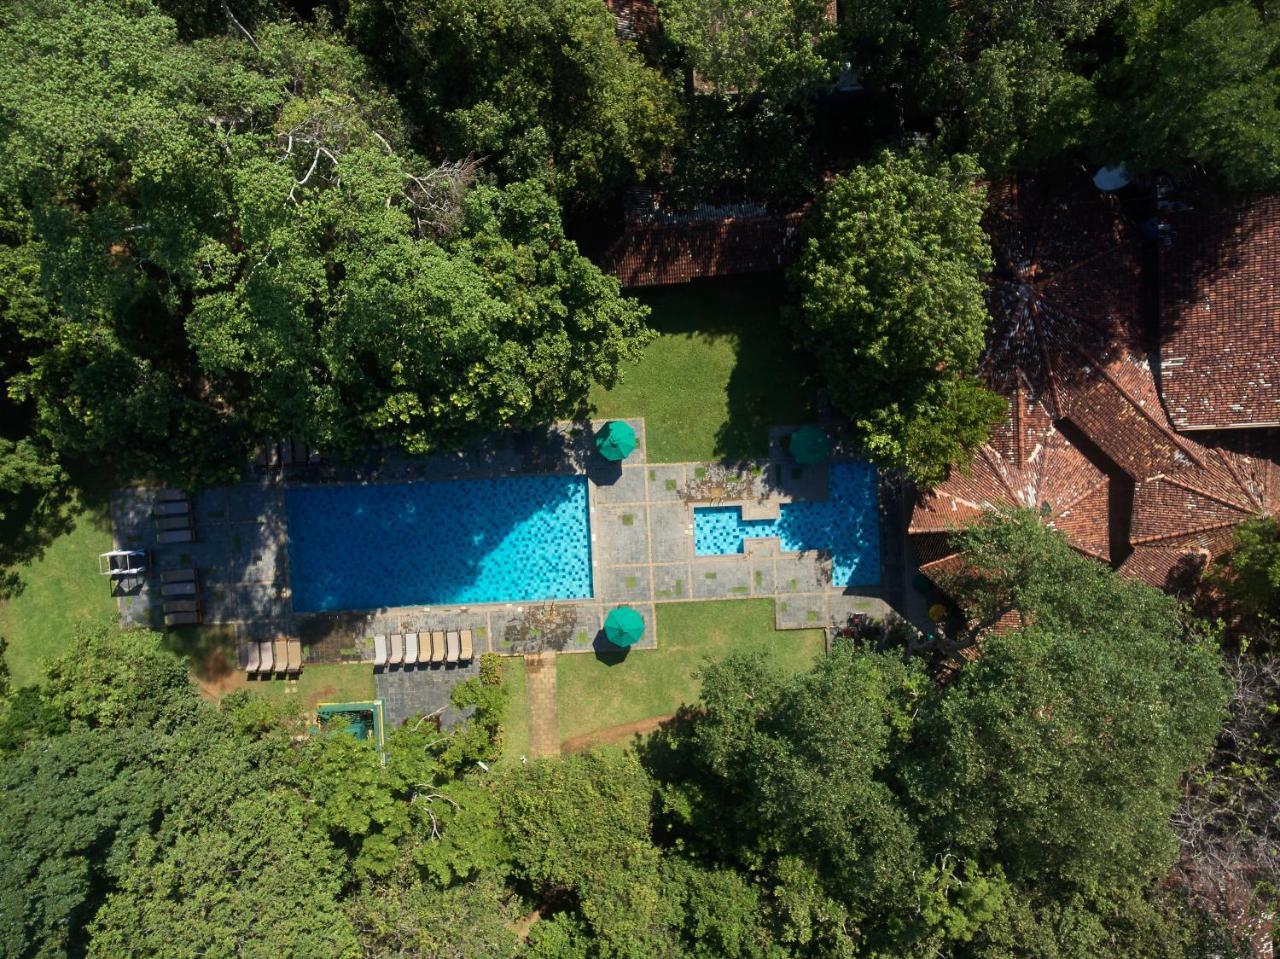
x: 236, y: 242
x: 890, y: 301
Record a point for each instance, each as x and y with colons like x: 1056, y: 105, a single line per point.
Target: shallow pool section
x: 509, y: 539
x: 846, y: 524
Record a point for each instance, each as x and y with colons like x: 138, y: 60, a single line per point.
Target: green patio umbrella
x: 623, y: 626
x: 616, y: 441
x: 810, y: 445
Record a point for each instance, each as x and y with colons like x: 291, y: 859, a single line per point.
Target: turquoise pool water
x: 509, y: 539
x: 846, y: 523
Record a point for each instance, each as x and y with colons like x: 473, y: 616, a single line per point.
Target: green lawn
x: 322, y: 683
x: 515, y: 727
x: 595, y: 694
x: 721, y: 372
x: 62, y: 588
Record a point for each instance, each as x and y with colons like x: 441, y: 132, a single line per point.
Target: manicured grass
x: 722, y: 370
x: 322, y: 683
x: 62, y: 588
x: 598, y: 692
x: 515, y: 726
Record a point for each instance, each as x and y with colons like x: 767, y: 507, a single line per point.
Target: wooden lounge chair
x: 451, y: 646
x: 178, y: 576
x: 179, y: 589
x: 466, y: 653
x: 167, y: 536
x: 266, y: 656
x: 173, y: 522
x: 172, y: 508
x: 410, y: 649
x: 437, y: 647
x: 397, y: 649
x: 294, y: 649
x: 424, y: 648
x: 181, y: 605
x: 191, y: 618
x: 252, y: 660
x: 379, y: 650
x: 280, y: 651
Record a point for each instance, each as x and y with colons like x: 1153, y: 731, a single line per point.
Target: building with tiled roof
x: 661, y: 250
x: 1220, y: 317
x: 1088, y: 444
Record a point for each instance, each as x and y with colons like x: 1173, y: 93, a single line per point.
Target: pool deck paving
x: 642, y: 543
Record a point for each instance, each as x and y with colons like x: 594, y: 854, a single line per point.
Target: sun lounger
x: 182, y: 619
x: 280, y: 652
x: 397, y: 649
x: 451, y: 647
x: 172, y: 508
x: 179, y: 589
x: 466, y: 653
x: 175, y: 536
x: 294, y: 648
x: 437, y: 647
x: 266, y: 657
x: 424, y: 648
x: 181, y: 605
x: 410, y: 648
x: 178, y: 576
x: 171, y: 496
x: 173, y: 522
x: 252, y: 660
x: 379, y: 650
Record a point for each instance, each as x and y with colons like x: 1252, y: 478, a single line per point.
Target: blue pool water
x: 846, y: 524
x: 468, y: 541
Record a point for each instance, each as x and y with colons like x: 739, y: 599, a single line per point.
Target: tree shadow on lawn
x: 771, y: 379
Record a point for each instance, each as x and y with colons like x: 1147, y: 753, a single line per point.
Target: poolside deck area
x: 642, y: 552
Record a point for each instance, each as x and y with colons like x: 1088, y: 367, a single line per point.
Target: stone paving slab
x: 544, y: 708
x: 408, y: 691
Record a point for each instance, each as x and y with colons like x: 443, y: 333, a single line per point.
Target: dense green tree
x: 72, y: 810
x: 260, y: 879
x: 235, y: 242
x: 777, y: 48
x: 543, y: 90
x: 1060, y: 751
x: 1250, y: 573
x: 1008, y: 82
x: 891, y: 301
x: 579, y: 832
x: 1198, y: 85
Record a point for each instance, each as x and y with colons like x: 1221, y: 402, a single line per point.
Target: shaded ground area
x: 721, y: 372
x: 606, y: 691
x: 62, y: 588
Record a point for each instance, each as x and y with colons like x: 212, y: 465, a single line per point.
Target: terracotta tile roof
x: 1220, y: 317
x: 1028, y: 464
x: 1064, y: 347
x: 677, y: 251
x: 635, y: 19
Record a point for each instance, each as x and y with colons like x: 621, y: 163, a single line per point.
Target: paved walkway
x: 544, y: 712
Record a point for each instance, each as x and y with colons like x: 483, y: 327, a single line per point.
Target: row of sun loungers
x: 435, y: 648
x: 174, y: 519
x: 286, y: 454
x: 269, y: 656
x: 180, y: 597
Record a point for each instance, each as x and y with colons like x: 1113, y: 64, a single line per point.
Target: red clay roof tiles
x: 1220, y: 317
x: 1064, y: 346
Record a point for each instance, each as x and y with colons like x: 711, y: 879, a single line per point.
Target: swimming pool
x: 846, y: 523
x: 509, y: 539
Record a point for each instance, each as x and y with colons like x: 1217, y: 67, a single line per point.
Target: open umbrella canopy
x: 810, y: 445
x: 616, y: 440
x: 623, y: 626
